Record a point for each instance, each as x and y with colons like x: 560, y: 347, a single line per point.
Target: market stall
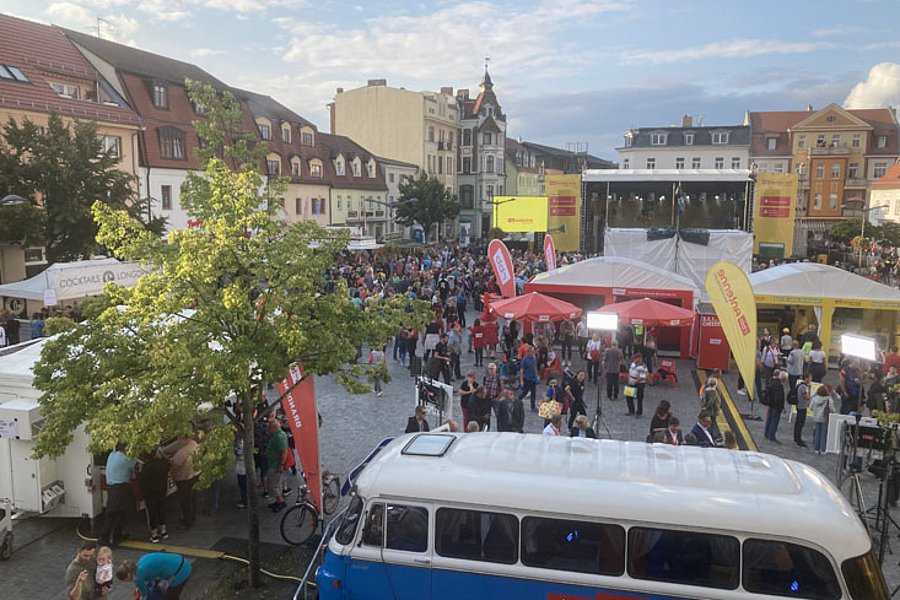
x: 597, y: 282
x: 836, y: 301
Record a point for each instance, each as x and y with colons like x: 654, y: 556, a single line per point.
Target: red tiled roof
x: 889, y: 181
x: 332, y: 145
x: 37, y: 50
x: 769, y: 123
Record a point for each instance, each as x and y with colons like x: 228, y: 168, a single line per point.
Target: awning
x: 73, y: 280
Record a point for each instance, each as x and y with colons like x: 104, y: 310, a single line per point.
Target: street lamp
x: 862, y: 228
x: 598, y: 322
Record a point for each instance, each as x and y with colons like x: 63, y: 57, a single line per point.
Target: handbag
x: 157, y: 588
x: 630, y: 391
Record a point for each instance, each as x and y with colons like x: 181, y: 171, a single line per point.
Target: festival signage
x: 501, y: 263
x: 732, y: 297
x: 520, y: 214
x: 774, y: 201
x: 564, y: 210
x: 549, y: 253
x: 299, y: 404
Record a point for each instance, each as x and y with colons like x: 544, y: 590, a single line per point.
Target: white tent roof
x: 75, y: 279
x: 814, y: 280
x: 615, y: 271
x: 673, y: 175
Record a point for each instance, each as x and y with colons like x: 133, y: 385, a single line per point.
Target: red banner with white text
x: 300, y: 411
x: 549, y: 253
x: 501, y: 263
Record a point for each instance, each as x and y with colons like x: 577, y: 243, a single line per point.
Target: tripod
x: 598, y: 415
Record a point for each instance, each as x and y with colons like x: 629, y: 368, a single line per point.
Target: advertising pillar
x: 775, y: 202
x: 564, y: 210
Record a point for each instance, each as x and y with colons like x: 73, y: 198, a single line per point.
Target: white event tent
x: 68, y: 281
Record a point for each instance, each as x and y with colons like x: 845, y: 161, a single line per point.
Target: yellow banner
x: 564, y: 210
x: 520, y: 213
x: 731, y: 295
x: 775, y: 202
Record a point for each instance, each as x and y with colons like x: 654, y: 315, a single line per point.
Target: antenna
x: 100, y: 22
x: 487, y: 60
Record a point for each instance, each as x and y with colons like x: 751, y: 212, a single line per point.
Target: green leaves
x: 426, y: 201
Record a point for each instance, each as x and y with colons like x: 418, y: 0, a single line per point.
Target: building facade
x: 884, y: 197
x: 358, y: 192
x: 394, y: 172
x: 480, y: 156
x: 686, y: 147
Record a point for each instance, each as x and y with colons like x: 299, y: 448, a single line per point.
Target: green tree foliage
x: 226, y: 307
x: 426, y: 201
x: 64, y: 169
x: 844, y: 231
x: 849, y: 230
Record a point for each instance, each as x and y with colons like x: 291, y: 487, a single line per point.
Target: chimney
x: 809, y: 108
x: 330, y: 107
x: 462, y: 93
x: 447, y: 90
x: 377, y: 83
x: 687, y: 121
x: 340, y: 90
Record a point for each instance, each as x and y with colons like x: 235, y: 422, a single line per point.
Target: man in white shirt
x: 552, y: 428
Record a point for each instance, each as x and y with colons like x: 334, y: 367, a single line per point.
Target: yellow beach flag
x: 731, y: 295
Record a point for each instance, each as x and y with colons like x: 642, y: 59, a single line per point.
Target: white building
x: 686, y: 147
x: 396, y: 171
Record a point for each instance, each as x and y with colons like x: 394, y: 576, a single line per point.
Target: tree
x: 426, y: 201
x: 226, y: 307
x: 63, y: 169
x: 845, y: 231
x: 889, y: 234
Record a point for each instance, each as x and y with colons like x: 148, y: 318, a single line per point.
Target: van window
x: 476, y: 535
x: 407, y: 528
x: 864, y: 578
x: 349, y: 522
x: 783, y: 569
x: 684, y: 557
x: 373, y: 535
x: 579, y: 546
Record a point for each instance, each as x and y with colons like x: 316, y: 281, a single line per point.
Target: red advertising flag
x: 501, y: 263
x: 300, y: 411
x: 549, y: 252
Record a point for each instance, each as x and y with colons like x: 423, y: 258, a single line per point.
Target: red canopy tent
x: 535, y: 307
x: 650, y: 313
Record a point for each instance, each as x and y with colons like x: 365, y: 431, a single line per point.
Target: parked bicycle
x: 300, y: 522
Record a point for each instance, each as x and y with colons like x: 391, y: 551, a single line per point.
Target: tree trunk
x: 254, y: 578
x: 426, y: 232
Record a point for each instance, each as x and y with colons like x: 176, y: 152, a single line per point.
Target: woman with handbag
x: 157, y: 576
x: 637, y: 379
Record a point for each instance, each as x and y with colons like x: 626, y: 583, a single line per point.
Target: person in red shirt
x: 478, y: 342
x: 891, y: 359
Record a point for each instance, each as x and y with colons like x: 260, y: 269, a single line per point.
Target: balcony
x: 352, y: 213
x: 829, y: 150
x: 855, y: 182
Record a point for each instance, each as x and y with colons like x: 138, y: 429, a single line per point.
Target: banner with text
x: 501, y: 263
x: 775, y: 201
x: 299, y: 406
x: 564, y: 208
x: 549, y: 253
x: 731, y: 295
x: 520, y: 214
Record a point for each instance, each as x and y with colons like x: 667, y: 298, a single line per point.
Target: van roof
x: 623, y: 481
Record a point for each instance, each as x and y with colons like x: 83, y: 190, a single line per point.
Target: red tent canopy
x: 535, y: 307
x: 650, y: 313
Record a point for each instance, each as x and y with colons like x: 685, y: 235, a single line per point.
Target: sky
x: 564, y: 71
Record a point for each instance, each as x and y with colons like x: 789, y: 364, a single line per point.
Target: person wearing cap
x: 583, y: 428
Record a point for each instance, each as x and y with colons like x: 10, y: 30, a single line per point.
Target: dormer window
x: 688, y: 139
x: 658, y: 139
x: 172, y: 144
x: 355, y: 166
x: 295, y: 166
x: 64, y: 90
x: 265, y: 131
x: 370, y: 168
x: 339, y: 167
x: 273, y: 164
x: 306, y: 138
x: 628, y: 140
x: 720, y: 137
x: 160, y: 95
x: 315, y: 169
x: 286, y: 134
x: 12, y: 73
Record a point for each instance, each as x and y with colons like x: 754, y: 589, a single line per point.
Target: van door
x: 407, y: 550
x: 366, y: 577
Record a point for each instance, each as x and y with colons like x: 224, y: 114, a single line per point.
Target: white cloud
x: 70, y: 14
x: 882, y: 88
x: 117, y: 28
x: 880, y: 45
x: 204, y: 52
x: 731, y: 49
x: 837, y: 31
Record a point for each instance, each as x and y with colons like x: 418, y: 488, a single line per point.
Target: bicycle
x: 300, y: 522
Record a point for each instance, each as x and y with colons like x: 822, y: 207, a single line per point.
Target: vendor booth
x: 596, y: 282
x: 801, y: 294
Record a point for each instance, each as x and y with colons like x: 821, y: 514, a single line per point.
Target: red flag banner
x: 300, y: 410
x: 501, y: 263
x: 549, y: 252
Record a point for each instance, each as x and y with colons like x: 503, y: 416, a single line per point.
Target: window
x: 856, y: 140
x: 315, y: 169
x: 339, y: 203
x: 628, y: 140
x: 171, y: 144
x: 373, y: 534
x: 720, y: 137
x: 688, y: 139
x: 406, y: 527
x: 658, y: 139
x: 578, y: 546
x: 685, y: 557
x: 881, y: 141
x: 832, y: 201
x: 199, y: 109
x: 355, y: 166
x: 467, y: 137
x: 466, y: 164
x: 817, y: 202
x: 864, y: 578
x: 476, y: 535
x: 64, y: 90
x: 339, y: 167
x: 651, y: 163
x: 801, y: 141
x: 466, y: 196
x: 431, y: 134
x: 440, y: 165
x: 784, y: 569
x: 820, y: 171
x: 489, y: 164
x: 879, y: 170
x: 695, y: 162
x: 111, y: 145
x: 853, y: 171
x: 779, y: 168
x: 11, y: 72
x: 626, y: 163
x: 286, y: 135
x: 835, y: 171
x: 771, y: 143
x: 735, y: 162
x: 719, y: 162
x: 679, y: 163
x: 306, y: 138
x: 298, y: 206
x: 160, y: 95
x: 487, y: 139
x: 165, y: 194
x: 347, y: 529
x: 820, y: 140
x: 295, y: 167
x: 273, y: 166
x: 430, y: 164
x: 391, y: 177
x: 835, y: 140
x: 265, y: 131
x: 489, y: 192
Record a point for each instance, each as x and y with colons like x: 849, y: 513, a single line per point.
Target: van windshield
x: 864, y: 578
x: 347, y: 528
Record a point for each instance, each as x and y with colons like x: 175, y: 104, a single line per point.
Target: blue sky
x: 564, y: 70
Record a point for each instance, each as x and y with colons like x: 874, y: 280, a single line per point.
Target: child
x: 104, y: 574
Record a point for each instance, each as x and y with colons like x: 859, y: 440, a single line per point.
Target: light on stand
x: 599, y: 321
x: 859, y: 346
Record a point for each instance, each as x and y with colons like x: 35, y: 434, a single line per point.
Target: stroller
x: 509, y: 372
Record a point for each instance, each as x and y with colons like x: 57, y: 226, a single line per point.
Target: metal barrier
x: 305, y: 583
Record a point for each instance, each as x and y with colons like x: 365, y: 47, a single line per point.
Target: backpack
x: 792, y: 396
